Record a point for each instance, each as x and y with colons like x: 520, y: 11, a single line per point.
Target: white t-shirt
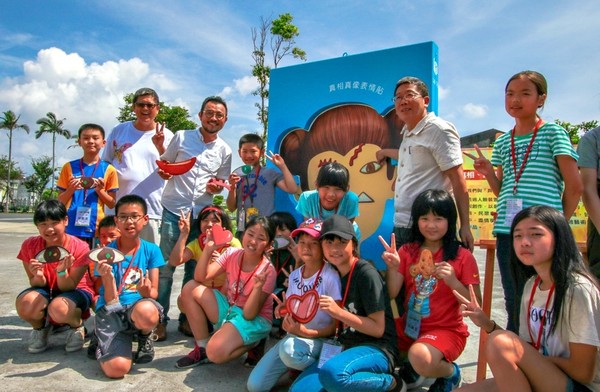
x: 329, y: 284
x: 133, y: 154
x: 188, y: 190
x: 426, y: 152
x: 580, y: 322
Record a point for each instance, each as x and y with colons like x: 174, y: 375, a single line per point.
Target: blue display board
x: 341, y: 109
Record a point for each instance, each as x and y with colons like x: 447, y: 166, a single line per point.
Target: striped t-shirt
x: 541, y: 182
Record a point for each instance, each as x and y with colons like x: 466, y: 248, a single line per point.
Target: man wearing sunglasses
x: 132, y: 148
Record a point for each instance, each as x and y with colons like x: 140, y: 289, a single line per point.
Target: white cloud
x: 443, y: 93
x: 472, y: 110
x: 65, y: 84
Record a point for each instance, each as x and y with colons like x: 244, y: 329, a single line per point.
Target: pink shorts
x: 449, y: 342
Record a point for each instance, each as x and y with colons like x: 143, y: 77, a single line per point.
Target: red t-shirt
x: 78, y: 248
x: 440, y: 306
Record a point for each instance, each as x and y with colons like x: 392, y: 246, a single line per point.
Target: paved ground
x: 56, y: 370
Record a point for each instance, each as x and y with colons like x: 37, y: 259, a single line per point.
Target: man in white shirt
x: 191, y: 190
x: 132, y: 148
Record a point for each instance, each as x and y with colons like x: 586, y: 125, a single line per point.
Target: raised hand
x: 144, y: 286
x: 275, y: 158
x: 184, y: 221
x: 480, y: 162
x: 159, y: 137
x: 390, y: 254
x: 470, y: 308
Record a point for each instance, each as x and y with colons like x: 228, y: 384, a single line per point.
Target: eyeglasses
x: 142, y: 105
x: 212, y: 113
x: 132, y: 218
x: 410, y: 96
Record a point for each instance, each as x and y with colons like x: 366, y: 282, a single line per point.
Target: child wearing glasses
x: 253, y: 188
x: 127, y: 304
x: 87, y: 184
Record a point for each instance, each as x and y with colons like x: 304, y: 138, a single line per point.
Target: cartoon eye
x: 370, y: 167
x: 110, y: 255
x: 52, y: 254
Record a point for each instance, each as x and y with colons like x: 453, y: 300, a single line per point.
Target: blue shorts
x: 81, y: 298
x: 251, y: 331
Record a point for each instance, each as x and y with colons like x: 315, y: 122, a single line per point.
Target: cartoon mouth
x: 364, y: 198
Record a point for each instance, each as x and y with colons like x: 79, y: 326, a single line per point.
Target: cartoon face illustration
x: 132, y: 279
x: 350, y: 134
x: 368, y: 179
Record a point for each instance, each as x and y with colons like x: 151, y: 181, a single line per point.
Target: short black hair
x: 132, y: 199
x: 93, y: 126
x: 334, y: 174
x: 49, y: 210
x: 252, y: 138
x: 143, y: 92
x: 214, y: 98
x: 107, y: 221
x: 283, y: 220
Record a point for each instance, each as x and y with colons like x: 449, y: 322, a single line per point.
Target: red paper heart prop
x: 221, y: 236
x: 176, y: 168
x: 86, y: 182
x: 110, y: 255
x: 302, y: 307
x: 52, y: 254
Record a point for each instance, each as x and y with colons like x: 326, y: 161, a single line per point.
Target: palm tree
x: 10, y: 121
x: 50, y: 124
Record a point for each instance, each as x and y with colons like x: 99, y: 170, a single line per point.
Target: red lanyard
x: 343, y: 303
x: 247, y: 191
x: 316, y: 282
x: 131, y: 263
x: 280, y: 268
x: 536, y: 345
x: 527, y: 152
x: 237, y: 289
x: 83, y: 175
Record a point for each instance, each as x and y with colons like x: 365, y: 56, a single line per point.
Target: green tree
x: 576, y: 130
x: 281, y: 35
x: 10, y: 122
x: 174, y: 117
x: 51, y: 124
x: 42, y: 171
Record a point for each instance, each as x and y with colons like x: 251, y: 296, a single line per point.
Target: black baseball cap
x: 338, y: 225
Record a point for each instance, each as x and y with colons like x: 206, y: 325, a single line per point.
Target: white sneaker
x: 75, y: 339
x: 38, y: 340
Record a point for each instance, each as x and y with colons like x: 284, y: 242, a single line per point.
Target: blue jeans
x: 169, y: 233
x: 513, y: 290
x: 361, y: 368
x: 290, y: 352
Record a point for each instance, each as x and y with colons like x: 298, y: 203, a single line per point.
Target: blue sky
x: 78, y: 58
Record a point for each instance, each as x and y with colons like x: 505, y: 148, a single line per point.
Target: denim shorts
x: 81, y: 298
x: 251, y: 331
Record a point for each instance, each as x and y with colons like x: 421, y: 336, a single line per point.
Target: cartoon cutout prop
x: 302, y: 307
x: 110, y: 255
x: 220, y: 235
x: 87, y: 182
x: 52, y: 254
x: 176, y: 168
x: 243, y: 170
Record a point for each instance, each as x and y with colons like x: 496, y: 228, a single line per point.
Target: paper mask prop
x: 176, y: 168
x: 52, y: 254
x: 110, y: 255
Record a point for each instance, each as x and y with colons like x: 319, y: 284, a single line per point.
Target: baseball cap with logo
x: 311, y: 226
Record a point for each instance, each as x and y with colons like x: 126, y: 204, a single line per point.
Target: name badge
x: 330, y: 349
x: 83, y: 216
x: 513, y: 206
x: 413, y: 324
